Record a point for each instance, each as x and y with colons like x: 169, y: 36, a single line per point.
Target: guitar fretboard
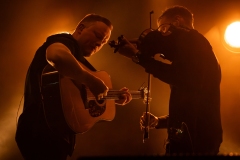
x: 115, y: 94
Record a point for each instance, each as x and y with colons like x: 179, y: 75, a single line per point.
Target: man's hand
x: 128, y: 48
x: 153, y: 120
x: 97, y: 87
x: 124, y: 98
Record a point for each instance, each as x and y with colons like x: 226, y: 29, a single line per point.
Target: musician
x: 193, y: 73
x: 66, y: 54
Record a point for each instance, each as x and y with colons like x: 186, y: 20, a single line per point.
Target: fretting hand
x: 124, y: 98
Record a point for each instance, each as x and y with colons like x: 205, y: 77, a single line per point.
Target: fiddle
x: 143, y: 35
x: 117, y: 44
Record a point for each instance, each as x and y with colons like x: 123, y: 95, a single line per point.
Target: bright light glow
x: 232, y: 35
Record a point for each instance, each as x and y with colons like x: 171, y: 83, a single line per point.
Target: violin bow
x: 146, y: 128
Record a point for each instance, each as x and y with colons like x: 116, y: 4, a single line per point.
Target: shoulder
x: 57, y: 46
x: 200, y: 38
x: 192, y: 36
x: 63, y: 41
x: 64, y: 38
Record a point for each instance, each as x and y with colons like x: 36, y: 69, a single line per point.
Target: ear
x: 80, y: 28
x: 177, y: 20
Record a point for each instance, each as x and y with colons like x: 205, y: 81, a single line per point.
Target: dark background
x: 24, y: 25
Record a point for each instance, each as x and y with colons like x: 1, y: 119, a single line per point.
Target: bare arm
x: 61, y: 58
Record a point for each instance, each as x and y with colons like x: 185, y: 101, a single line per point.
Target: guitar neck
x: 115, y: 94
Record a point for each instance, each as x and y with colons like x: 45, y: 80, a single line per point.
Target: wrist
x: 135, y: 57
x: 155, y: 122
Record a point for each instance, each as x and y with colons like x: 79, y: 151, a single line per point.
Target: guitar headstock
x: 145, y: 94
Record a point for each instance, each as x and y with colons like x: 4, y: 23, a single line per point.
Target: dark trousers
x: 42, y: 147
x: 187, y: 147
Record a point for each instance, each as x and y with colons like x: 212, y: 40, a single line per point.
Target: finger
x: 144, y: 115
x: 128, y: 97
x: 142, y: 120
x: 122, y: 96
x: 141, y: 124
x: 105, y: 92
x: 124, y: 89
x: 100, y: 96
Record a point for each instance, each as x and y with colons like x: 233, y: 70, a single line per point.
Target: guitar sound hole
x: 94, y: 109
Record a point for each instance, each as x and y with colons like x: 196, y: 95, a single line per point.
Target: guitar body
x: 68, y: 107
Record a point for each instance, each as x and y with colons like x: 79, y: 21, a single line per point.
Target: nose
x: 100, y: 43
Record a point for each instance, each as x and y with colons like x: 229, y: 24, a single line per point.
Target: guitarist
x: 63, y: 52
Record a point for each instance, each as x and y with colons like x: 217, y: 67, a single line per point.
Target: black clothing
x: 33, y: 136
x: 194, y: 77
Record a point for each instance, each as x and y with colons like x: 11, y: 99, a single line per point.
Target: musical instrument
x: 69, y: 107
x: 116, y: 45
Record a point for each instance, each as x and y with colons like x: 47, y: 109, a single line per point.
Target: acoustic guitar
x: 70, y: 107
